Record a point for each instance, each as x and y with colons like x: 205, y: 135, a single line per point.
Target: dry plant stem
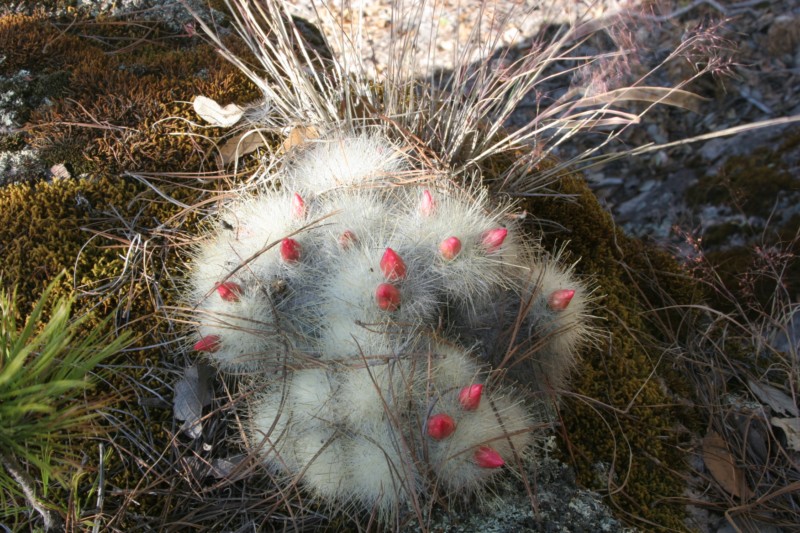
x: 51, y: 520
x: 728, y: 11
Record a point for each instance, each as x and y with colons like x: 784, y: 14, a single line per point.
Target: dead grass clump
x: 742, y: 359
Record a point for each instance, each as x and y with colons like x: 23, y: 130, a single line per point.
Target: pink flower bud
x: 486, y: 457
x: 470, y: 397
x: 450, y: 247
x: 560, y: 299
x: 441, y: 426
x: 347, y: 239
x: 387, y: 296
x: 290, y: 250
x: 392, y: 265
x: 426, y: 204
x: 298, y: 206
x: 229, y: 291
x: 209, y: 343
x: 493, y: 239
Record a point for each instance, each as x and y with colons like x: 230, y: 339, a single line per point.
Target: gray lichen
x: 21, y: 165
x: 560, y: 506
x: 11, y: 100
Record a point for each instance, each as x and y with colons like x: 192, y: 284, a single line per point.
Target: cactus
x: 367, y: 310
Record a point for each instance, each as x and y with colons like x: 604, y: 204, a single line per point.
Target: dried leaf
x: 240, y: 145
x: 779, y: 401
x: 216, y: 115
x: 192, y: 393
x: 753, y: 427
x: 722, y: 466
x: 217, y: 468
x: 299, y: 136
x: 791, y: 428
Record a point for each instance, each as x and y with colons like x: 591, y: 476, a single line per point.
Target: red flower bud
x: 426, y: 205
x: 486, y: 457
x: 560, y: 299
x: 441, y: 426
x: 470, y: 396
x: 298, y: 206
x: 493, y: 239
x: 347, y: 239
x: 290, y: 250
x: 209, y: 343
x: 392, y: 265
x: 229, y: 291
x: 387, y: 297
x: 450, y: 247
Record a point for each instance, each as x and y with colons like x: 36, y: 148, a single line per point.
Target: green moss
x: 750, y: 272
x: 106, y: 117
x: 750, y: 184
x: 753, y: 185
x: 110, y: 87
x: 720, y: 234
x: 11, y: 142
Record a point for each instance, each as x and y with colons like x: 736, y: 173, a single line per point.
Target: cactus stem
x: 470, y: 397
x: 426, y: 205
x: 493, y: 239
x: 290, y: 250
x: 298, y: 206
x: 450, y: 248
x: 387, y: 297
x: 486, y: 457
x: 560, y: 299
x: 392, y: 265
x: 209, y: 343
x: 229, y: 291
x: 441, y: 426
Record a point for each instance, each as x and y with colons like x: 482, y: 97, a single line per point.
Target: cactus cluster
x: 368, y: 307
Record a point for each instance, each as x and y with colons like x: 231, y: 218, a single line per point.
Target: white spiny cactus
x: 556, y: 321
x: 367, y: 278
x: 382, y: 429
x: 345, y: 161
x: 402, y: 335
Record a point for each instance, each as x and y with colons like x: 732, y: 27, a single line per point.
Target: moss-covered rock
x: 107, y: 99
x: 760, y: 194
x: 621, y: 425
